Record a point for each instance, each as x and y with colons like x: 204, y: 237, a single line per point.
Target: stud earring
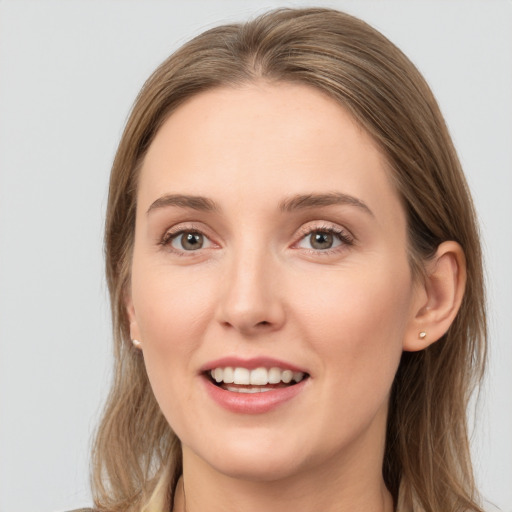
x: 137, y: 344
x: 422, y: 335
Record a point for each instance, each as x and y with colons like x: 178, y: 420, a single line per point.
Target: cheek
x: 170, y: 306
x: 172, y: 310
x: 356, y: 319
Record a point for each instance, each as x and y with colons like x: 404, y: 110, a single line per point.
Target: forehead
x: 261, y: 140
x: 276, y: 115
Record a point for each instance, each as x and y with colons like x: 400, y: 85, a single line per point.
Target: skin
x: 257, y: 287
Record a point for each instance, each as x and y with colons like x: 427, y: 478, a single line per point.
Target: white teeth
x: 287, y: 376
x: 218, y: 374
x: 274, y: 376
x: 229, y: 375
x: 242, y: 376
x: 298, y: 376
x: 248, y: 390
x: 257, y: 377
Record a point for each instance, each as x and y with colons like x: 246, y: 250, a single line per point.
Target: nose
x: 251, y: 298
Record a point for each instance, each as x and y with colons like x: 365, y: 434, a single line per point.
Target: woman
x: 296, y: 282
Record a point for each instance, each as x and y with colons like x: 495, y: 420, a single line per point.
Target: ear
x: 439, y: 297
x: 134, y: 326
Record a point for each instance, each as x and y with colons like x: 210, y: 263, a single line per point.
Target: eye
x: 187, y: 241
x: 324, y: 239
x: 321, y: 240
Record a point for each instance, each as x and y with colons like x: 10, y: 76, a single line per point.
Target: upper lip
x: 251, y: 364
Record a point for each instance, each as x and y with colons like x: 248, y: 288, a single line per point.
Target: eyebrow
x: 199, y: 203
x: 297, y: 202
x: 305, y: 201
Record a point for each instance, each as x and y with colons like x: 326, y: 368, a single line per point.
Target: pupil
x: 321, y: 240
x: 192, y: 241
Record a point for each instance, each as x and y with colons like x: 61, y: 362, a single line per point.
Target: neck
x: 275, y: 498
x: 347, y: 479
x: 331, y: 489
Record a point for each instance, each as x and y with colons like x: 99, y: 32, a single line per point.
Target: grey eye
x: 321, y: 240
x: 188, y: 241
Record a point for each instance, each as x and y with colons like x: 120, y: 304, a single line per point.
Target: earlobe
x: 439, y: 299
x: 134, y: 327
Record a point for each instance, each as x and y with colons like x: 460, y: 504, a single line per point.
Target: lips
x: 252, y: 386
x: 251, y: 364
x: 257, y: 377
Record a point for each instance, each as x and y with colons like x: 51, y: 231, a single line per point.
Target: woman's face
x: 269, y: 245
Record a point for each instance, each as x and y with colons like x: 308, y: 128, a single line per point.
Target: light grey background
x: 69, y: 72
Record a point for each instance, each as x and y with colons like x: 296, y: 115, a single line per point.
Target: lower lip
x: 252, y: 403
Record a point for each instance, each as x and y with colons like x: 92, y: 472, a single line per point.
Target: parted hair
x: 427, y: 465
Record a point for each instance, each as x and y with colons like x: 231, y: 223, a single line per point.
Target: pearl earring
x: 422, y: 335
x: 137, y: 344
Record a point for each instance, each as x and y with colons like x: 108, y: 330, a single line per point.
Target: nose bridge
x: 250, y: 297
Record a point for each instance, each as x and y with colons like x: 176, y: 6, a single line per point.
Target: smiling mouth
x: 258, y: 380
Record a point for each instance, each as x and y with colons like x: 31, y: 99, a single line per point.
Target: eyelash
x: 172, y: 234
x: 342, y: 235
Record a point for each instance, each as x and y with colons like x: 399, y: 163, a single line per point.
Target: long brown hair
x: 427, y: 462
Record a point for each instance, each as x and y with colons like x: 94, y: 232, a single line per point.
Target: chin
x: 254, y: 459
x: 257, y: 469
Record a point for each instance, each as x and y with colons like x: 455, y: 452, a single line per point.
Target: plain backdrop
x: 69, y: 72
